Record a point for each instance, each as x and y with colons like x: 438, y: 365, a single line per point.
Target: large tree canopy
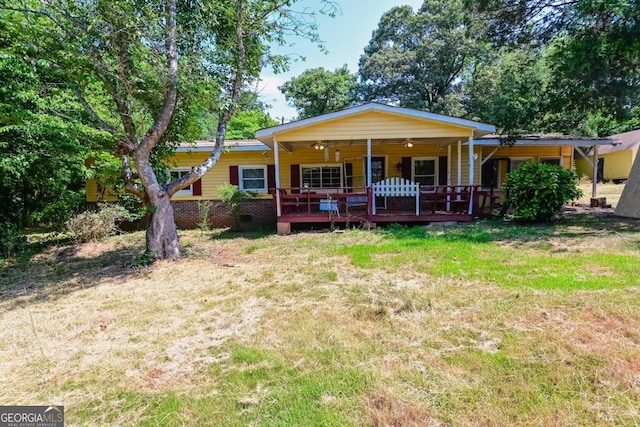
x: 509, y: 90
x: 319, y: 91
x: 41, y: 151
x: 146, y: 71
x: 592, y: 49
x: 416, y: 59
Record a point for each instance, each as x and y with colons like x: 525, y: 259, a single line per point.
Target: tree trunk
x: 162, y: 235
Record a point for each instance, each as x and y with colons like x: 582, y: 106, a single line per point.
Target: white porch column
x: 448, y: 164
x: 472, y: 172
x: 448, y: 175
x: 594, y: 185
x: 459, y: 162
x: 369, y: 177
x: 459, y: 182
x: 276, y: 160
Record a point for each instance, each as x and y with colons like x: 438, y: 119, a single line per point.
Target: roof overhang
x: 229, y: 145
x: 544, y: 142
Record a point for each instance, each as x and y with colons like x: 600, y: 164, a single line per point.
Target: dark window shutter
x: 295, y: 177
x: 271, y: 178
x: 197, y: 188
x: 348, y: 172
x: 442, y: 170
x: 234, y: 178
x: 406, y: 168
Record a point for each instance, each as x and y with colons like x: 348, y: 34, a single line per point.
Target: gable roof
x: 627, y: 141
x: 266, y: 135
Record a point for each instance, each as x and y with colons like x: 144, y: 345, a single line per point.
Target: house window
x: 556, y: 161
x: 516, y: 162
x: 313, y: 176
x: 491, y: 174
x: 177, y: 173
x: 425, y: 170
x: 253, y: 178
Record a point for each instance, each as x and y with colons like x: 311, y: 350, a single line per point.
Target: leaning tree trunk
x: 162, y: 235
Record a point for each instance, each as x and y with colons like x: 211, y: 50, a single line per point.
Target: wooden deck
x: 355, y: 205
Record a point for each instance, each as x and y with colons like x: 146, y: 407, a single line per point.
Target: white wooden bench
x: 397, y: 187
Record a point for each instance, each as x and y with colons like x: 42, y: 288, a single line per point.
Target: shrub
x: 537, y: 191
x: 234, y: 197
x: 12, y: 239
x: 203, y: 214
x: 55, y: 215
x: 96, y: 225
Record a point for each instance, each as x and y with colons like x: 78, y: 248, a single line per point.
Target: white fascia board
x: 228, y: 148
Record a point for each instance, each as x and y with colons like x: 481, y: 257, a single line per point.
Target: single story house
x: 614, y: 161
x: 372, y: 163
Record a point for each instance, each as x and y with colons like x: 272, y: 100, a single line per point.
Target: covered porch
x: 376, y: 163
x: 367, y: 205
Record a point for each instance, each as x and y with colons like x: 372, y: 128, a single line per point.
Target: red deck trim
x: 385, y: 218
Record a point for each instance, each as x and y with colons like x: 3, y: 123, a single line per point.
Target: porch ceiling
x: 443, y: 142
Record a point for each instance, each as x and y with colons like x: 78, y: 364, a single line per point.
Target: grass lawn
x: 486, y: 324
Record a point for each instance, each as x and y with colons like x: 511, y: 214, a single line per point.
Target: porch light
x: 408, y: 144
x: 337, y: 156
x: 318, y: 146
x: 399, y: 166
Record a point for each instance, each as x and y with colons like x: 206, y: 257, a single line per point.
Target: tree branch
x: 39, y: 12
x: 130, y: 184
x: 161, y: 123
x: 103, y: 125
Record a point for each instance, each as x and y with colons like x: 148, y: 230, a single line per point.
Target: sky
x: 344, y: 36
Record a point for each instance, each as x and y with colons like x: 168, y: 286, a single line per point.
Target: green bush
x: 537, y: 191
x: 234, y: 197
x: 56, y: 214
x: 12, y: 239
x: 96, y: 225
x: 203, y: 214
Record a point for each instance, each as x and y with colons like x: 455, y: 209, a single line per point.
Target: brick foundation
x: 256, y: 213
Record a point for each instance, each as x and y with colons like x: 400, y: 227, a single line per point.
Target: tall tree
x: 592, y: 50
x: 319, y: 91
x: 160, y: 64
x: 416, y: 59
x: 509, y: 89
x: 245, y: 123
x: 41, y: 155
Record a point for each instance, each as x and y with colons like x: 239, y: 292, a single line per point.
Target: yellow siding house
x: 372, y: 163
x: 614, y: 161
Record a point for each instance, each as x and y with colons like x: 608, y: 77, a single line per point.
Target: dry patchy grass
x: 358, y: 328
x: 610, y: 190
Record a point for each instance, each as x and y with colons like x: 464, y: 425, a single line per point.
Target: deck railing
x: 431, y: 199
x: 321, y: 201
